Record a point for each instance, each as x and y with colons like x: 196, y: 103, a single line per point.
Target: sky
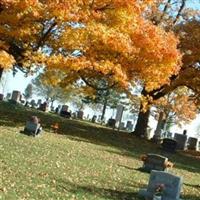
x: 19, y: 82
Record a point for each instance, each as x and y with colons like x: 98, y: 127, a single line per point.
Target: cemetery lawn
x: 83, y: 161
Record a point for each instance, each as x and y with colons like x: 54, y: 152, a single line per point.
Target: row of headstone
x: 184, y: 142
x: 112, y: 123
x: 180, y: 142
x: 65, y: 112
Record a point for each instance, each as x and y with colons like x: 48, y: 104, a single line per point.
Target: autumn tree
x: 42, y: 86
x: 185, y: 23
x: 107, y: 98
x: 28, y: 92
x: 176, y: 107
x: 115, y: 40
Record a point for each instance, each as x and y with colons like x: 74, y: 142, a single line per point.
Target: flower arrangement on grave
x: 55, y: 127
x: 143, y: 157
x: 168, y: 164
x: 159, y: 189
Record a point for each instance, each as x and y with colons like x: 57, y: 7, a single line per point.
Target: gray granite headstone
x: 172, y: 186
x: 193, y: 144
x: 181, y: 141
x: 33, y: 104
x: 129, y: 126
x: 1, y: 97
x: 94, y: 118
x: 39, y: 102
x: 155, y: 162
x: 8, y: 95
x: 32, y: 128
x: 64, y: 108
x: 16, y: 95
x: 80, y: 114
x: 169, y: 135
x: 121, y: 126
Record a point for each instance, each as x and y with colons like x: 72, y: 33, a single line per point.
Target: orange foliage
x: 112, y: 35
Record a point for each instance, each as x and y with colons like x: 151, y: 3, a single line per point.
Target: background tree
x: 111, y: 98
x: 198, y: 131
x: 175, y: 108
x: 28, y: 92
x: 43, y: 86
x: 4, y: 82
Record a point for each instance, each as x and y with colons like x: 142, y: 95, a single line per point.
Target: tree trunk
x: 143, y: 119
x: 104, y: 108
x: 1, y: 73
x: 142, y: 123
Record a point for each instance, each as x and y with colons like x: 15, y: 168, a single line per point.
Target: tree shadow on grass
x: 190, y: 197
x: 126, y: 144
x: 193, y: 186
x: 101, y: 192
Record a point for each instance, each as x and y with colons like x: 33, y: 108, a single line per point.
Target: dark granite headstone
x: 193, y: 144
x: 181, y: 140
x: 94, y: 119
x: 65, y: 114
x: 43, y: 106
x: 155, y: 162
x: 129, y: 126
x: 111, y: 123
x: 169, y: 145
x: 80, y: 114
x: 1, y: 97
x: 64, y: 108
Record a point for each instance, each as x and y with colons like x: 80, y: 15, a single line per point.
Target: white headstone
x: 16, y: 95
x: 119, y: 114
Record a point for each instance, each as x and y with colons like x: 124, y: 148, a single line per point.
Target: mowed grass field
x: 83, y: 161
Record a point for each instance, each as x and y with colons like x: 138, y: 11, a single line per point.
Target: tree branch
x: 96, y: 87
x: 165, y: 10
x: 45, y: 36
x: 179, y: 11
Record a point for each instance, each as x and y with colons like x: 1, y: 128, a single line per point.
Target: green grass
x: 83, y: 161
